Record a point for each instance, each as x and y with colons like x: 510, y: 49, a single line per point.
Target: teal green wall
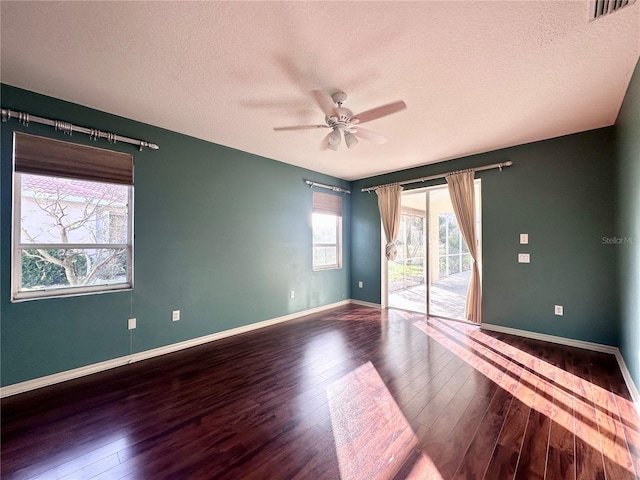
x: 220, y: 234
x: 628, y: 189
x: 560, y: 192
x: 223, y: 236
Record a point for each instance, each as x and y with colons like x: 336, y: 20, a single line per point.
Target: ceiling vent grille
x: 600, y: 8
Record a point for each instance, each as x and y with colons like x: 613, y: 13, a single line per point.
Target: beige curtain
x: 461, y: 191
x: 389, y: 205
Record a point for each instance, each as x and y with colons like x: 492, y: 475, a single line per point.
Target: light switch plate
x: 558, y: 310
x: 524, y: 258
x: 131, y: 324
x: 524, y: 238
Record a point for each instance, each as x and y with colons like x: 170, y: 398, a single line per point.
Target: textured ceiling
x: 476, y: 76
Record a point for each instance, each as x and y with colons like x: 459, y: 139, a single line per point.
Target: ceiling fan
x: 342, y: 120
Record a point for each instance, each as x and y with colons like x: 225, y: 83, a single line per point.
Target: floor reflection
x: 89, y: 460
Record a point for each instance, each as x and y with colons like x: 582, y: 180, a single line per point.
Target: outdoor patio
x: 448, y: 296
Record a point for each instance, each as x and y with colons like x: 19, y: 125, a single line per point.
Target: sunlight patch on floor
x: 556, y: 392
x: 372, y: 437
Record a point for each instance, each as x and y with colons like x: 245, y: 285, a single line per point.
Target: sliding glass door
x: 407, y: 274
x: 432, y: 269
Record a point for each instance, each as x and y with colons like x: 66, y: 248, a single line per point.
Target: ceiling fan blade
x: 325, y: 102
x: 300, y: 127
x: 382, y: 111
x: 365, y: 134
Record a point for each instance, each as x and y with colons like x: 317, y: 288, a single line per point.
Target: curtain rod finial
x: 508, y: 163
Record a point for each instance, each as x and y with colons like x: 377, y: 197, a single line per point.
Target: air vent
x: 600, y: 8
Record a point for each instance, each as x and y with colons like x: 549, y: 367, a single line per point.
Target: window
x: 327, y: 231
x: 72, y: 219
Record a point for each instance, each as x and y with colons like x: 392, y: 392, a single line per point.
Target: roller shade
x: 45, y: 156
x: 327, y: 204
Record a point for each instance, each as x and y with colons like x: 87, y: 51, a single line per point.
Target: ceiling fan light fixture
x: 334, y: 138
x: 350, y: 139
x: 333, y: 147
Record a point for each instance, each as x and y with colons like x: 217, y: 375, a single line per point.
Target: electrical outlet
x: 524, y: 238
x: 360, y: 284
x: 131, y: 324
x: 175, y: 315
x: 292, y: 294
x: 559, y: 310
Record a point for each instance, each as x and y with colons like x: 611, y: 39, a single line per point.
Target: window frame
x: 19, y: 295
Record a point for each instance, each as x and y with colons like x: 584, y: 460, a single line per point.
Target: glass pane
x: 415, y: 270
x: 454, y: 234
x: 401, y: 252
x: 450, y: 264
x: 415, y: 239
x: 61, y: 210
x: 442, y: 234
x: 442, y: 266
x: 64, y: 268
x: 396, y: 275
x: 406, y: 275
x: 465, y: 249
x: 325, y: 228
x: 466, y: 262
x: 325, y: 256
x: 454, y: 264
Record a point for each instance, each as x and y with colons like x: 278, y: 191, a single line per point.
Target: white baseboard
x: 136, y: 357
x: 596, y: 347
x: 366, y: 304
x: 633, y: 390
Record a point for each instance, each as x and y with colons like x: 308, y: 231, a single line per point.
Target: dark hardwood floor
x: 352, y: 393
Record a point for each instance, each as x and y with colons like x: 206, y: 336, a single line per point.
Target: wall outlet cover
x: 524, y: 258
x: 559, y: 310
x: 175, y: 315
x: 524, y: 238
x: 131, y: 324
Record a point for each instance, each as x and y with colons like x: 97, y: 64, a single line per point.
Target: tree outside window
x: 73, y: 233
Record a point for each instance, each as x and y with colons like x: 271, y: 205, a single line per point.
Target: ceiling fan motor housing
x: 339, y: 97
x: 342, y: 119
